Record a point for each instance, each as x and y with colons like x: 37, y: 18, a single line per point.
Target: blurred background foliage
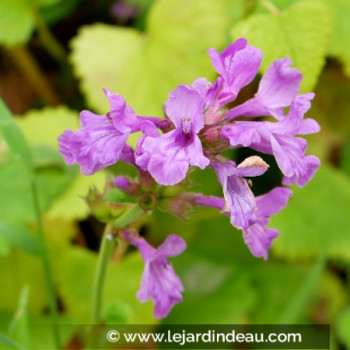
x: 55, y: 58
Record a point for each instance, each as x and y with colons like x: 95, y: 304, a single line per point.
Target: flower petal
x: 168, y: 169
x: 259, y: 240
x: 195, y: 154
x: 222, y: 62
x: 94, y: 147
x: 239, y: 198
x: 273, y: 202
x: 278, y: 87
x: 185, y: 102
x: 122, y: 115
x: 280, y: 84
x: 172, y: 246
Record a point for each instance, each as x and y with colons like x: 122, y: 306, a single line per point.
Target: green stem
x: 47, y: 270
x: 128, y: 217
x: 105, y: 252
x: 106, y: 249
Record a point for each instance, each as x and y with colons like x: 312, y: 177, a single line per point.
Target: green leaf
x: 5, y: 246
x: 280, y: 285
x: 315, y: 220
x: 6, y: 341
x: 16, y: 199
x: 340, y: 40
x: 16, y: 22
x: 19, y: 327
x: 343, y: 326
x: 276, y: 285
x: 14, y: 137
x: 117, y: 311
x: 65, y: 185
x: 40, y: 329
x: 58, y: 11
x: 227, y: 296
x: 304, y: 293
x: 22, y: 238
x: 42, y: 127
x: 301, y: 32
x: 53, y: 176
x: 19, y: 269
x: 144, y: 68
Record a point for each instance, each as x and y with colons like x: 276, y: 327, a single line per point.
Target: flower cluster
x: 201, y: 121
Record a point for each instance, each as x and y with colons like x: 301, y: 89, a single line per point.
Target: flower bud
x: 127, y: 185
x: 177, y: 206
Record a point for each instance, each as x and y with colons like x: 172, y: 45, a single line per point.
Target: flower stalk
x: 106, y: 249
x: 105, y: 252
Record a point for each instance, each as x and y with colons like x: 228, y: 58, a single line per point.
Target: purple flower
x: 277, y: 89
x: 237, y: 66
x: 168, y: 156
x: 239, y: 199
x: 101, y: 141
x: 278, y: 138
x: 257, y: 237
x: 159, y: 280
x: 96, y: 145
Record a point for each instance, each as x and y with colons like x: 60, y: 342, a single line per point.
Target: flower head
x: 201, y: 121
